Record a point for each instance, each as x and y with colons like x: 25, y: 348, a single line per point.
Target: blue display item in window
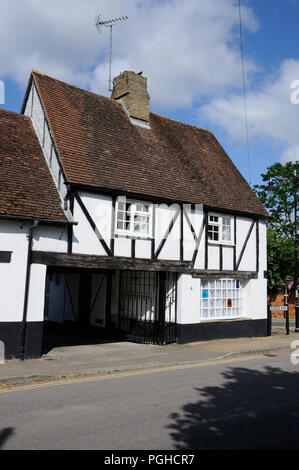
x: 237, y: 284
x: 205, y: 293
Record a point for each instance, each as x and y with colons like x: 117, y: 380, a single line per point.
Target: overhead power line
x: 244, y: 93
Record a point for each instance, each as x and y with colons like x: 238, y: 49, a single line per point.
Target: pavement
x: 110, y: 357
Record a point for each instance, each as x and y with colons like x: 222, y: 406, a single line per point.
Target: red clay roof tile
x: 26, y: 186
x: 99, y: 146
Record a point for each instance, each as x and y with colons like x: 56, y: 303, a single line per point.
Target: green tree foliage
x: 281, y: 225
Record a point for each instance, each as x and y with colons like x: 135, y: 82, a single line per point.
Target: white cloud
x: 271, y: 114
x: 189, y: 50
x: 186, y: 49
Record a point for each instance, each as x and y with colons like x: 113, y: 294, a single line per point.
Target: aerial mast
x: 99, y: 22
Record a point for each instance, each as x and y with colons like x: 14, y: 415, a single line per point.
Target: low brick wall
x: 277, y: 299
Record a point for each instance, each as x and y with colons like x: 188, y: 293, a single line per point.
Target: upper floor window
x: 220, y: 228
x: 133, y: 218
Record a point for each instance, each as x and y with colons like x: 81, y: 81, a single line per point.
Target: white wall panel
x: 188, y: 308
x: 38, y: 119
x: 248, y: 262
x: 213, y: 256
x: 228, y: 258
x: 13, y: 237
x: 85, y: 240
x: 189, y: 242
x: 36, y: 298
x: 100, y: 210
x: 50, y: 238
x: 122, y: 247
x: 143, y: 249
x: 163, y: 217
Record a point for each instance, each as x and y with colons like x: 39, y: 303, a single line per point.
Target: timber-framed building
x: 119, y: 222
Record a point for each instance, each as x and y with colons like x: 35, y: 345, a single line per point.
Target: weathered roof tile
x: 99, y: 146
x: 26, y: 186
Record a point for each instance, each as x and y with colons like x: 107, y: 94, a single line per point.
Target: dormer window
x: 220, y: 229
x: 133, y: 218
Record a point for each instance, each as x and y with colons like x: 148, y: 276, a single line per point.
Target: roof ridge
x: 111, y: 100
x: 15, y: 113
x: 93, y: 93
x: 183, y: 123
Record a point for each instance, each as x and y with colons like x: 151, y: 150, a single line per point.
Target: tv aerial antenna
x: 100, y: 23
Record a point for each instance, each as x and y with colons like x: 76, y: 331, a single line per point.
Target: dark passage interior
x: 90, y: 307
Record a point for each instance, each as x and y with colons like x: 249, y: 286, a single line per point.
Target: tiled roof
x: 98, y: 146
x: 26, y: 186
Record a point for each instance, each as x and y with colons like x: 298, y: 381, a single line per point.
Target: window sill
x: 132, y: 237
x: 214, y: 320
x: 215, y: 243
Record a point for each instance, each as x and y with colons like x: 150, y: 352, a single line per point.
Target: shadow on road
x: 5, y: 434
x: 250, y: 410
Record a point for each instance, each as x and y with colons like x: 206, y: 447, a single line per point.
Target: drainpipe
x: 26, y: 295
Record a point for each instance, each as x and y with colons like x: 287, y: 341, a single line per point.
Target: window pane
x: 123, y: 216
x: 213, y: 232
x: 214, y: 218
x: 141, y: 224
x: 142, y: 208
x: 226, y: 228
x: 120, y: 225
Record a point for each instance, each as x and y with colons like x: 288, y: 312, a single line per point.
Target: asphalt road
x: 246, y: 403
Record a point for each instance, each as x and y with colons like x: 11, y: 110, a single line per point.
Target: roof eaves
x: 49, y: 123
x: 32, y: 219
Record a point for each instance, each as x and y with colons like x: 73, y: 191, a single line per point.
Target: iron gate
x: 147, y: 306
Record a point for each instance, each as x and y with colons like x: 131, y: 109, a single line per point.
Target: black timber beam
x: 92, y: 262
x: 213, y: 274
x: 68, y: 260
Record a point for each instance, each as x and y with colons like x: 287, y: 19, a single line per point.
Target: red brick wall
x: 277, y: 298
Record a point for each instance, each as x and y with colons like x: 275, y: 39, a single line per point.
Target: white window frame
x: 220, y: 291
x: 220, y: 224
x: 133, y: 212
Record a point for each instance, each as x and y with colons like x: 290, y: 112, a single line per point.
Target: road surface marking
x: 129, y: 374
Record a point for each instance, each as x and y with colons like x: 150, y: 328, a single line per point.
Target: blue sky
x: 190, y: 52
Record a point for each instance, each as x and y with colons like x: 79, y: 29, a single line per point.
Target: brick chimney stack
x: 131, y: 89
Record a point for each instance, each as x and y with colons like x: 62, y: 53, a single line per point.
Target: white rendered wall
x: 164, y: 215
x: 254, y: 290
x: 195, y: 219
x: 228, y: 258
x: 199, y: 220
x: 85, y: 240
x: 123, y: 247
x: 50, y: 238
x: 35, y: 111
x: 188, y: 300
x: 188, y: 308
x: 143, y: 249
x: 36, y: 299
x: 14, y: 238
x: 248, y: 262
x: 257, y: 288
x: 12, y: 275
